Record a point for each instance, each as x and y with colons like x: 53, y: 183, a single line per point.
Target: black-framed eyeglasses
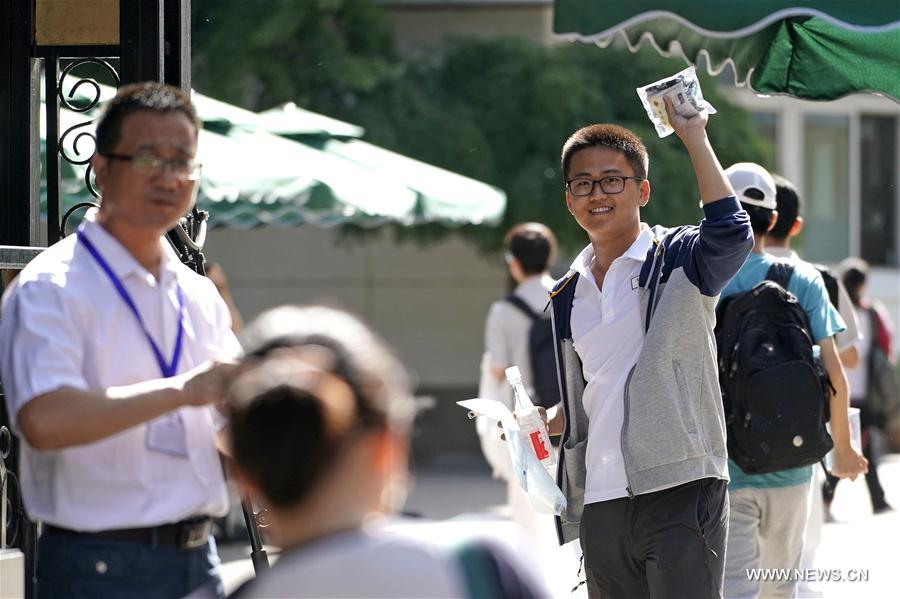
x: 149, y: 164
x: 584, y: 186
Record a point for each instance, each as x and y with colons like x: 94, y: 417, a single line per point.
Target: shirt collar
x: 536, y: 282
x: 120, y: 259
x: 636, y: 251
x: 782, y: 252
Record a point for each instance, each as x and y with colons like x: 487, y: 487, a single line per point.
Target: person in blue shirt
x: 768, y: 511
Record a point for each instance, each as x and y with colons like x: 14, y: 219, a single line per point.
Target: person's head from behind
x: 605, y: 168
x: 319, y: 421
x: 755, y: 189
x: 789, y: 207
x: 854, y: 273
x: 146, y: 157
x: 530, y: 250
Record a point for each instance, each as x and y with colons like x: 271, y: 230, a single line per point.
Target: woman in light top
x: 319, y: 426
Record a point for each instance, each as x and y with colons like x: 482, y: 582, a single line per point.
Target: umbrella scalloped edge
x: 605, y: 37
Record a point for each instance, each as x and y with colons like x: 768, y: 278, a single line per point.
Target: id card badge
x: 166, y: 435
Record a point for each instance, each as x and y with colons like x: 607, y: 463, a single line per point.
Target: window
x: 826, y: 177
x: 878, y: 189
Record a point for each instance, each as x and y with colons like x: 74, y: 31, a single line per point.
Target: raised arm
x: 711, y: 177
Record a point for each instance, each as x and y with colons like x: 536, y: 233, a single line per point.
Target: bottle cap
x: 513, y: 375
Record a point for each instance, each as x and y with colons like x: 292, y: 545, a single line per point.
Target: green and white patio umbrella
x: 291, y: 120
x: 441, y: 195
x: 252, y: 176
x: 822, y: 50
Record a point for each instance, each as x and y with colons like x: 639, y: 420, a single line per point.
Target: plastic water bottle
x: 530, y: 422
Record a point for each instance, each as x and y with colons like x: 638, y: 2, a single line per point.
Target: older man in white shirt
x: 113, y: 355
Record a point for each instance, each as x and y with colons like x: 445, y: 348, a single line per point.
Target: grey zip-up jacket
x: 674, y: 426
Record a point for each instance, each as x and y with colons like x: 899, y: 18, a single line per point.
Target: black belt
x: 187, y: 534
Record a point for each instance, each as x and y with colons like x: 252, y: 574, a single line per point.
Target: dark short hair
x: 854, y: 272
x: 613, y: 137
x: 759, y: 218
x: 149, y: 96
x: 285, y: 432
x: 533, y: 245
x: 789, y: 206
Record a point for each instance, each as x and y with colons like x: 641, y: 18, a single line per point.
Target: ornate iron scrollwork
x: 12, y: 511
x: 92, y: 101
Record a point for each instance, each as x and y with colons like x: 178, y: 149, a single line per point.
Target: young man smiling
x: 643, y: 451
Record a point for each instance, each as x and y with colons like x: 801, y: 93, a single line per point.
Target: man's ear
x: 100, y: 164
x: 797, y: 227
x: 515, y: 270
x: 645, y: 192
x: 773, y: 218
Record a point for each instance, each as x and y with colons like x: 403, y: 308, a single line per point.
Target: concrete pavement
x: 461, y: 501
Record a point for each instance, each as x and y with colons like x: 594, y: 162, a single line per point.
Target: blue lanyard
x: 168, y: 369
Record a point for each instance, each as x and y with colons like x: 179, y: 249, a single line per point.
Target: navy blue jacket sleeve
x: 721, y: 246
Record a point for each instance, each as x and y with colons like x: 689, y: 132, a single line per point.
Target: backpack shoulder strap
x: 561, y: 299
x: 780, y: 272
x: 831, y: 284
x: 519, y: 303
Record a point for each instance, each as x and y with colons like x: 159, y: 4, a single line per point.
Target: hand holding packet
x: 683, y: 89
x: 533, y: 478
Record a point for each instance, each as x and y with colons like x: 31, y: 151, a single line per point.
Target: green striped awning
x: 821, y: 50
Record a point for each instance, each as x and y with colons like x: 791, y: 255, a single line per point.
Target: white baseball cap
x: 752, y: 184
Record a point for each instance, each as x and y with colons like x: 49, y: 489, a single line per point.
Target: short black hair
x: 609, y: 136
x: 287, y: 428
x: 854, y: 272
x: 533, y: 245
x: 760, y: 218
x: 149, y: 96
x: 288, y: 423
x: 789, y: 206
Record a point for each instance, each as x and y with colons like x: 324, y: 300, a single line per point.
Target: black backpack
x: 831, y: 284
x: 541, y: 354
x: 775, y: 392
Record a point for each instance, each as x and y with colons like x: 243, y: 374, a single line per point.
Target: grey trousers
x: 765, y: 531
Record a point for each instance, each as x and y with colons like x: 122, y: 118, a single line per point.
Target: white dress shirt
x: 63, y: 324
x: 607, y: 336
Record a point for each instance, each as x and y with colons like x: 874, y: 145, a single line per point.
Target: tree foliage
x: 496, y: 110
x: 258, y: 53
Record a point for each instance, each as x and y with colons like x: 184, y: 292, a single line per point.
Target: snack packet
x: 683, y: 89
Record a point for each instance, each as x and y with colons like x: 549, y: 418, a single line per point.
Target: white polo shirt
x: 64, y: 324
x: 607, y: 336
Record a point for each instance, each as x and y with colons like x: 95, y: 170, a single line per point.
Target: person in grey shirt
x: 530, y: 250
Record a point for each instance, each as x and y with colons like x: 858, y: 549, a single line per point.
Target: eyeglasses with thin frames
x: 149, y: 164
x: 584, y: 186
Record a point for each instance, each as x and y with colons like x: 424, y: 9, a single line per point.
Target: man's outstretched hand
x: 686, y: 128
